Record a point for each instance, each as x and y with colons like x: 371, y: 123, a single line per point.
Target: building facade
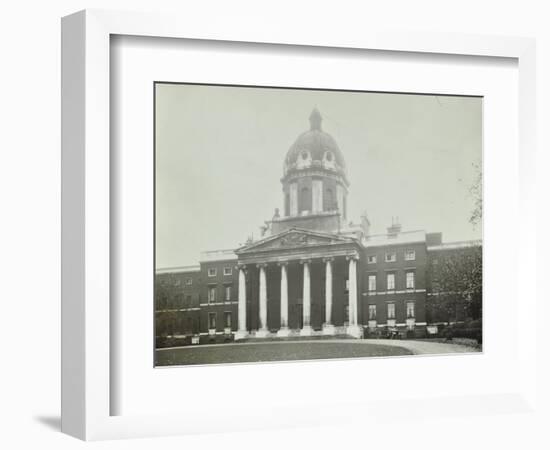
x: 313, y: 271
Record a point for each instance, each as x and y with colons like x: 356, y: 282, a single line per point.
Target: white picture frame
x: 86, y: 244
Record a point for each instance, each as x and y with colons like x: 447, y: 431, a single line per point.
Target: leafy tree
x: 166, y: 323
x: 457, y: 282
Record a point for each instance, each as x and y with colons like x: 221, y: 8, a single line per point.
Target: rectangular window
x: 372, y: 283
x: 371, y: 259
x: 212, y: 272
x: 227, y: 319
x: 211, y: 321
x: 390, y: 282
x: 410, y: 310
x: 212, y: 294
x: 189, y: 281
x: 227, y: 293
x: 410, y: 280
x: 227, y: 271
x: 188, y: 300
x: 410, y: 255
x: 391, y: 257
x: 372, y: 312
x: 391, y: 310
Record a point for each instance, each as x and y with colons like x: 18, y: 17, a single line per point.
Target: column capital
x: 261, y: 265
x: 282, y: 263
x: 328, y: 259
x: 354, y: 257
x: 305, y: 260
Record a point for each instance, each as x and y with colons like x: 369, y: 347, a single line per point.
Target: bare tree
x: 476, y: 191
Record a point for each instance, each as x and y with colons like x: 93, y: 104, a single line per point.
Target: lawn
x: 273, y: 351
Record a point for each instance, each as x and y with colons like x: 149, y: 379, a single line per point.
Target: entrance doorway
x: 297, y: 316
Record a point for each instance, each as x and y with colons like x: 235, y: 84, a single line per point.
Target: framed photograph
x: 245, y: 207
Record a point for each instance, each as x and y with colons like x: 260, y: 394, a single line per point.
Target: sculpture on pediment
x: 293, y: 239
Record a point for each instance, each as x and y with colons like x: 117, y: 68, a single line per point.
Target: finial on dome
x: 315, y: 119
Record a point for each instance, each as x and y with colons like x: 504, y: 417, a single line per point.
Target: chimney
x: 395, y: 227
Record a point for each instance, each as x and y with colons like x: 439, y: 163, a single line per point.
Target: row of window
x: 213, y: 290
x: 390, y: 281
x: 175, y: 282
x: 390, y: 286
x: 390, y: 311
x: 390, y: 315
x: 177, y: 301
x: 227, y: 320
x: 409, y: 255
x: 213, y: 271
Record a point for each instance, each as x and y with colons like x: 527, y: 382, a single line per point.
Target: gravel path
x: 424, y: 347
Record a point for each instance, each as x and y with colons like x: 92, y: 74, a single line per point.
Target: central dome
x: 315, y: 185
x: 315, y: 148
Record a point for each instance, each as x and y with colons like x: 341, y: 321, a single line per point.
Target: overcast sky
x: 220, y: 152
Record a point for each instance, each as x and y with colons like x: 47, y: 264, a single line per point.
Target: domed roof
x: 315, y: 148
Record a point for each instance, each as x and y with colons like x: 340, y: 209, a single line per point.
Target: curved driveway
x: 424, y: 347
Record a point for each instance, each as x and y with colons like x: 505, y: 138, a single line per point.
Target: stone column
x: 242, y: 331
x: 353, y: 327
x: 306, y: 329
x: 328, y: 327
x: 284, y: 330
x: 263, y: 331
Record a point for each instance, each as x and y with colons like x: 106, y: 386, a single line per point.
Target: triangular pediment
x: 294, y: 238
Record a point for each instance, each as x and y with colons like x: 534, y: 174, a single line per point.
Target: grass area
x: 280, y: 351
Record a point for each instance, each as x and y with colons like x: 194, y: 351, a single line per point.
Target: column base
x: 354, y: 330
x: 306, y: 331
x: 283, y: 332
x: 329, y: 329
x: 262, y: 333
x: 241, y: 334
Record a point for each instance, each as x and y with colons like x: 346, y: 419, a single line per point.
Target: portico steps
x: 339, y: 333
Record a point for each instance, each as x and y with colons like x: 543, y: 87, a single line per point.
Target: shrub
x: 164, y: 341
x: 464, y: 330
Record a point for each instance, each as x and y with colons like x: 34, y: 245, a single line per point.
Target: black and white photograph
x: 316, y: 224
x: 303, y: 224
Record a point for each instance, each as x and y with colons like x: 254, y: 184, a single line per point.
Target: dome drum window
x: 304, y: 160
x: 329, y: 161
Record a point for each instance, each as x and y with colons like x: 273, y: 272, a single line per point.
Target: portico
x: 288, y: 285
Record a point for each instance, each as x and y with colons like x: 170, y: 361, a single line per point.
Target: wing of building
x: 313, y: 271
